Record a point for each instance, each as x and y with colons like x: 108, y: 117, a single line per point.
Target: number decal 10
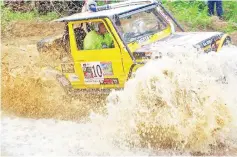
x: 97, y: 71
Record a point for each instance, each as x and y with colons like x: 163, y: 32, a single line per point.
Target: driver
x: 98, y: 38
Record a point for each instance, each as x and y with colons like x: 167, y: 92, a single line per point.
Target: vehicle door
x: 96, y: 68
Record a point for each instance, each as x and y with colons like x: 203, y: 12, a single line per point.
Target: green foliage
x: 8, y: 16
x: 102, y: 2
x: 195, y: 14
x: 191, y: 13
x: 230, y: 11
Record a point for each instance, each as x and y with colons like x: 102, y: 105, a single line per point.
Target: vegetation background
x: 192, y: 14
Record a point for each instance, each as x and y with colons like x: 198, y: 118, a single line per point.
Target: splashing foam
x: 183, y: 102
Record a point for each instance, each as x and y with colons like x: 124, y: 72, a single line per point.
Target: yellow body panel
x: 122, y: 63
x: 111, y: 67
x: 219, y: 43
x: 115, y: 56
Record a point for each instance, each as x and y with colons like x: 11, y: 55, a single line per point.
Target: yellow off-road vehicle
x: 139, y: 30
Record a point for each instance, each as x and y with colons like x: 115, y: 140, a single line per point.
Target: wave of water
x: 182, y: 104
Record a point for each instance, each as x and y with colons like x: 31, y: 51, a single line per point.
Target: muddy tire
x: 52, y: 48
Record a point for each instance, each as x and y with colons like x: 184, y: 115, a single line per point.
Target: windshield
x: 136, y: 26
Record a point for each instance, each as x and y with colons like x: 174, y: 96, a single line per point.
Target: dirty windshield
x: 142, y: 24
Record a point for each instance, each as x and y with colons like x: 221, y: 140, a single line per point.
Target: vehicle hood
x: 198, y: 40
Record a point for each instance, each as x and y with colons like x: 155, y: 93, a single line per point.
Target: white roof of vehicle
x: 99, y: 14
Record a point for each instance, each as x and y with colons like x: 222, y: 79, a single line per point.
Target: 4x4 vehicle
x: 139, y: 29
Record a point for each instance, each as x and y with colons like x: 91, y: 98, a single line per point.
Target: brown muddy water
x: 180, y: 105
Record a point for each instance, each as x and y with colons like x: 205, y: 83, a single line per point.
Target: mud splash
x: 27, y: 92
x: 184, y: 103
x: 36, y: 97
x: 181, y: 104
